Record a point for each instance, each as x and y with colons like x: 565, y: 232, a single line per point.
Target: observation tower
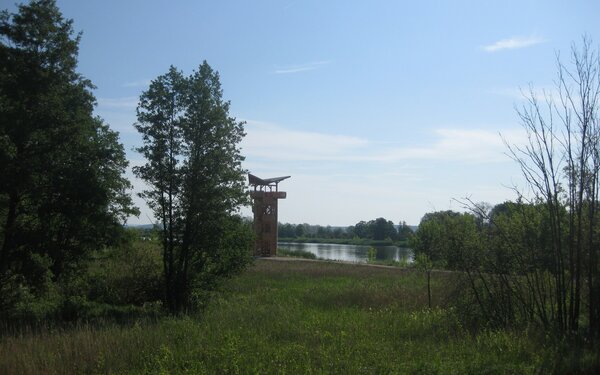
x: 264, y: 194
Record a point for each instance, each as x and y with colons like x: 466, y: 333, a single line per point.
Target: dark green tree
x: 62, y: 191
x: 300, y: 230
x: 361, y: 229
x: 381, y: 229
x: 286, y: 230
x: 196, y: 180
x: 338, y: 233
x: 516, y: 264
x: 404, y: 231
x: 448, y: 238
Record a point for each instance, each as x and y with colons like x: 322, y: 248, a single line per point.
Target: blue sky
x: 378, y: 108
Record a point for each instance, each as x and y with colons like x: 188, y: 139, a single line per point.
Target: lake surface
x: 350, y: 253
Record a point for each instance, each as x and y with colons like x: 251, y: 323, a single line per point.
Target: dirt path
x: 293, y: 259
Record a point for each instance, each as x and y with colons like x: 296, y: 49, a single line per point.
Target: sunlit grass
x: 292, y: 317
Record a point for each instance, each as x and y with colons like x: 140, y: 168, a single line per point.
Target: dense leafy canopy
x: 196, y: 183
x: 62, y: 191
x: 448, y: 238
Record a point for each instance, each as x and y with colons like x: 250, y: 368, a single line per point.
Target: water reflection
x: 350, y: 253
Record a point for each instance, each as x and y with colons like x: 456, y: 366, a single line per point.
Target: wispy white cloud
x: 276, y: 143
x: 140, y: 83
x: 514, y: 43
x: 127, y: 102
x: 459, y: 145
x: 301, y: 67
x: 266, y: 140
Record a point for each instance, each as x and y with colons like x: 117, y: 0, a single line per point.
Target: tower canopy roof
x: 256, y: 181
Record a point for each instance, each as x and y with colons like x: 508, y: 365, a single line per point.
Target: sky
x: 375, y: 108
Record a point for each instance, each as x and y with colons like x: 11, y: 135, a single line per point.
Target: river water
x: 350, y: 253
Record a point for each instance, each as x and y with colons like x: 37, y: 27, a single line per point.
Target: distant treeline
x: 378, y: 229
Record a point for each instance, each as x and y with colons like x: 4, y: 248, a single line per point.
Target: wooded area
x: 64, y: 198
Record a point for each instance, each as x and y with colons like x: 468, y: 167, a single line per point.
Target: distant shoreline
x: 345, y: 241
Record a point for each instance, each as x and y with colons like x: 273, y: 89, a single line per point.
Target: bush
x: 117, y: 282
x: 127, y: 274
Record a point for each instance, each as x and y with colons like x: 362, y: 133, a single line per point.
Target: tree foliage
x: 447, y: 238
x: 62, y: 191
x: 379, y: 229
x: 538, y: 259
x: 193, y: 169
x: 561, y: 163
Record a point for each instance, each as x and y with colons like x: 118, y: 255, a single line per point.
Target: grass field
x: 295, y: 317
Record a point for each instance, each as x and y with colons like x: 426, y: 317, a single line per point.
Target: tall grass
x: 296, y: 253
x: 297, y: 317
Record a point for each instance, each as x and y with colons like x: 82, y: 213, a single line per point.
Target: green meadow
x: 300, y: 317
